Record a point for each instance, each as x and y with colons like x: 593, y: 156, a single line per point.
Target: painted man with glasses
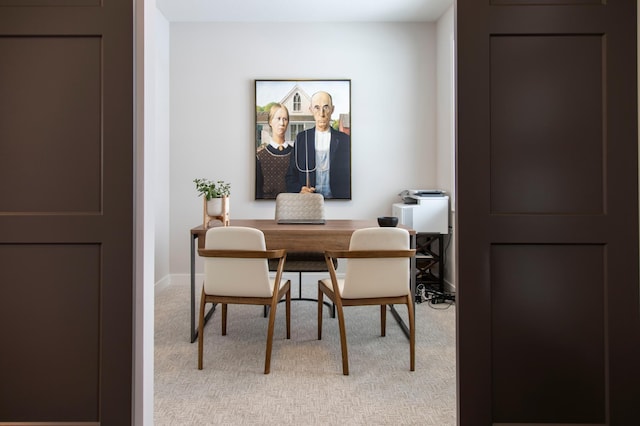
x: 321, y: 160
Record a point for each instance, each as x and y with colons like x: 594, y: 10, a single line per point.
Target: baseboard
x: 308, y: 278
x: 162, y: 283
x: 182, y: 279
x: 449, y: 287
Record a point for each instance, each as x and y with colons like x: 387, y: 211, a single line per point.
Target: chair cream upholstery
x: 296, y: 206
x: 236, y: 272
x: 377, y: 273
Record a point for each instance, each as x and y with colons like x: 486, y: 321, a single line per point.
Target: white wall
x: 392, y: 67
x: 445, y: 129
x: 160, y: 150
x: 445, y: 113
x: 151, y: 109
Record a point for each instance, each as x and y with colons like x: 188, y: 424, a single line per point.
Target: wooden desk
x: 334, y: 235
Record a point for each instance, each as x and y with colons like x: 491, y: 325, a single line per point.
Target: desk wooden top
x: 333, y: 235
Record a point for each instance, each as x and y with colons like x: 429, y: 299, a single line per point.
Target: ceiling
x: 303, y: 10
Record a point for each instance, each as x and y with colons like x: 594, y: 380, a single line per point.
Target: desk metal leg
x: 400, y: 321
x: 194, y: 331
x: 412, y: 286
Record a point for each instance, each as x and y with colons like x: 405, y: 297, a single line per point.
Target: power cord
x: 434, y: 297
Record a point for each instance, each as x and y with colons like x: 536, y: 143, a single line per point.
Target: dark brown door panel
x: 66, y: 212
x: 547, y: 213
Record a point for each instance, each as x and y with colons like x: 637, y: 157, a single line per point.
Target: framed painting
x: 303, y: 138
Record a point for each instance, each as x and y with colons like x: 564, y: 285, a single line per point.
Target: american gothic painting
x: 303, y: 137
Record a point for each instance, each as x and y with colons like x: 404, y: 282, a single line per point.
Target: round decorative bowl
x: 388, y: 221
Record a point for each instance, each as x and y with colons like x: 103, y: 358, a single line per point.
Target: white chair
x: 377, y: 273
x: 236, y: 272
x: 302, y: 208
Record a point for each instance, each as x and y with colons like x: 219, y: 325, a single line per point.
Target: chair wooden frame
x: 272, y: 302
x: 302, y: 263
x: 302, y: 206
x: 334, y: 295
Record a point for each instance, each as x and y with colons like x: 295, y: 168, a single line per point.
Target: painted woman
x: 272, y: 158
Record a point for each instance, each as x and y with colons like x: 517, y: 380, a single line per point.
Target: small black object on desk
x: 388, y: 221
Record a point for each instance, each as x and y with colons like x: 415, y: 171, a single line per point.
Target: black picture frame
x: 296, y: 97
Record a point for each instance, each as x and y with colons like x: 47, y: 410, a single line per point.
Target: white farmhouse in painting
x: 297, y: 102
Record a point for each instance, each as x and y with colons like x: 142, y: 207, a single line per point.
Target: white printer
x: 425, y: 210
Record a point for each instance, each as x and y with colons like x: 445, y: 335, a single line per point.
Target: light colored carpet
x: 306, y: 385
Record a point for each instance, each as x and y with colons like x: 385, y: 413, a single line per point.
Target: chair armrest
x: 244, y: 254
x: 368, y: 254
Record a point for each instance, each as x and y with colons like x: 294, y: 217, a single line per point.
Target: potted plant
x: 215, y: 196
